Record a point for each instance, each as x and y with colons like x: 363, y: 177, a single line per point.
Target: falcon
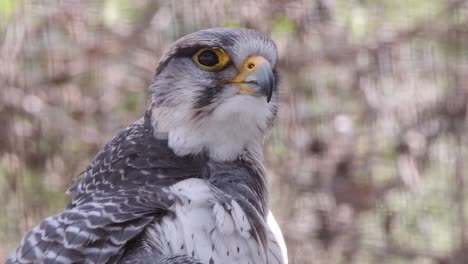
x: 186, y: 183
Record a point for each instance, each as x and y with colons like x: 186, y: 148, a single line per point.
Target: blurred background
x: 367, y: 160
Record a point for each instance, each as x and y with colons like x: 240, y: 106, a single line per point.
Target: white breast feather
x: 204, y: 229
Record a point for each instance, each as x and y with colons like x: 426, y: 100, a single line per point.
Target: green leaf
x: 284, y: 25
x: 7, y: 8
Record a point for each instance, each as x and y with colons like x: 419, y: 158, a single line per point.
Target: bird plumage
x: 185, y: 183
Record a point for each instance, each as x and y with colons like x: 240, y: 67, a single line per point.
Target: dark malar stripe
x: 204, y: 100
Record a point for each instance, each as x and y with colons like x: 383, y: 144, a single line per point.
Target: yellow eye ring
x: 211, y: 59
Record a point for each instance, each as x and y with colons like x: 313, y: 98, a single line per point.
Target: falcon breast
x: 185, y: 183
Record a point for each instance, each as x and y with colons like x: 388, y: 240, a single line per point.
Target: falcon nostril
x: 251, y: 65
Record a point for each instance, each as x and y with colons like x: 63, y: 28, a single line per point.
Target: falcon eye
x: 211, y: 59
x: 208, y: 58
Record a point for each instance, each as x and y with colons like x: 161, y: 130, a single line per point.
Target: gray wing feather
x: 158, y: 259
x: 93, y: 232
x: 117, y: 196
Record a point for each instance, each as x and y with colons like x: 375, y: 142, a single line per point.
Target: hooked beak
x: 255, y: 77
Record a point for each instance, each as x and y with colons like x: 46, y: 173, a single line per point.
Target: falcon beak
x: 255, y: 77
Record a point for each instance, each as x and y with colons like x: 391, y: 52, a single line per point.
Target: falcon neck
x: 223, y: 137
x: 242, y: 178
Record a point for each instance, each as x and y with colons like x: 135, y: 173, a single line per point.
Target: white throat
x: 234, y: 126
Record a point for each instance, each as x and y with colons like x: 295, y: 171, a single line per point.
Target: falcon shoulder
x: 118, y: 194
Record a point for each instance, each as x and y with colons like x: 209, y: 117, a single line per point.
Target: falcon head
x: 215, y: 91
